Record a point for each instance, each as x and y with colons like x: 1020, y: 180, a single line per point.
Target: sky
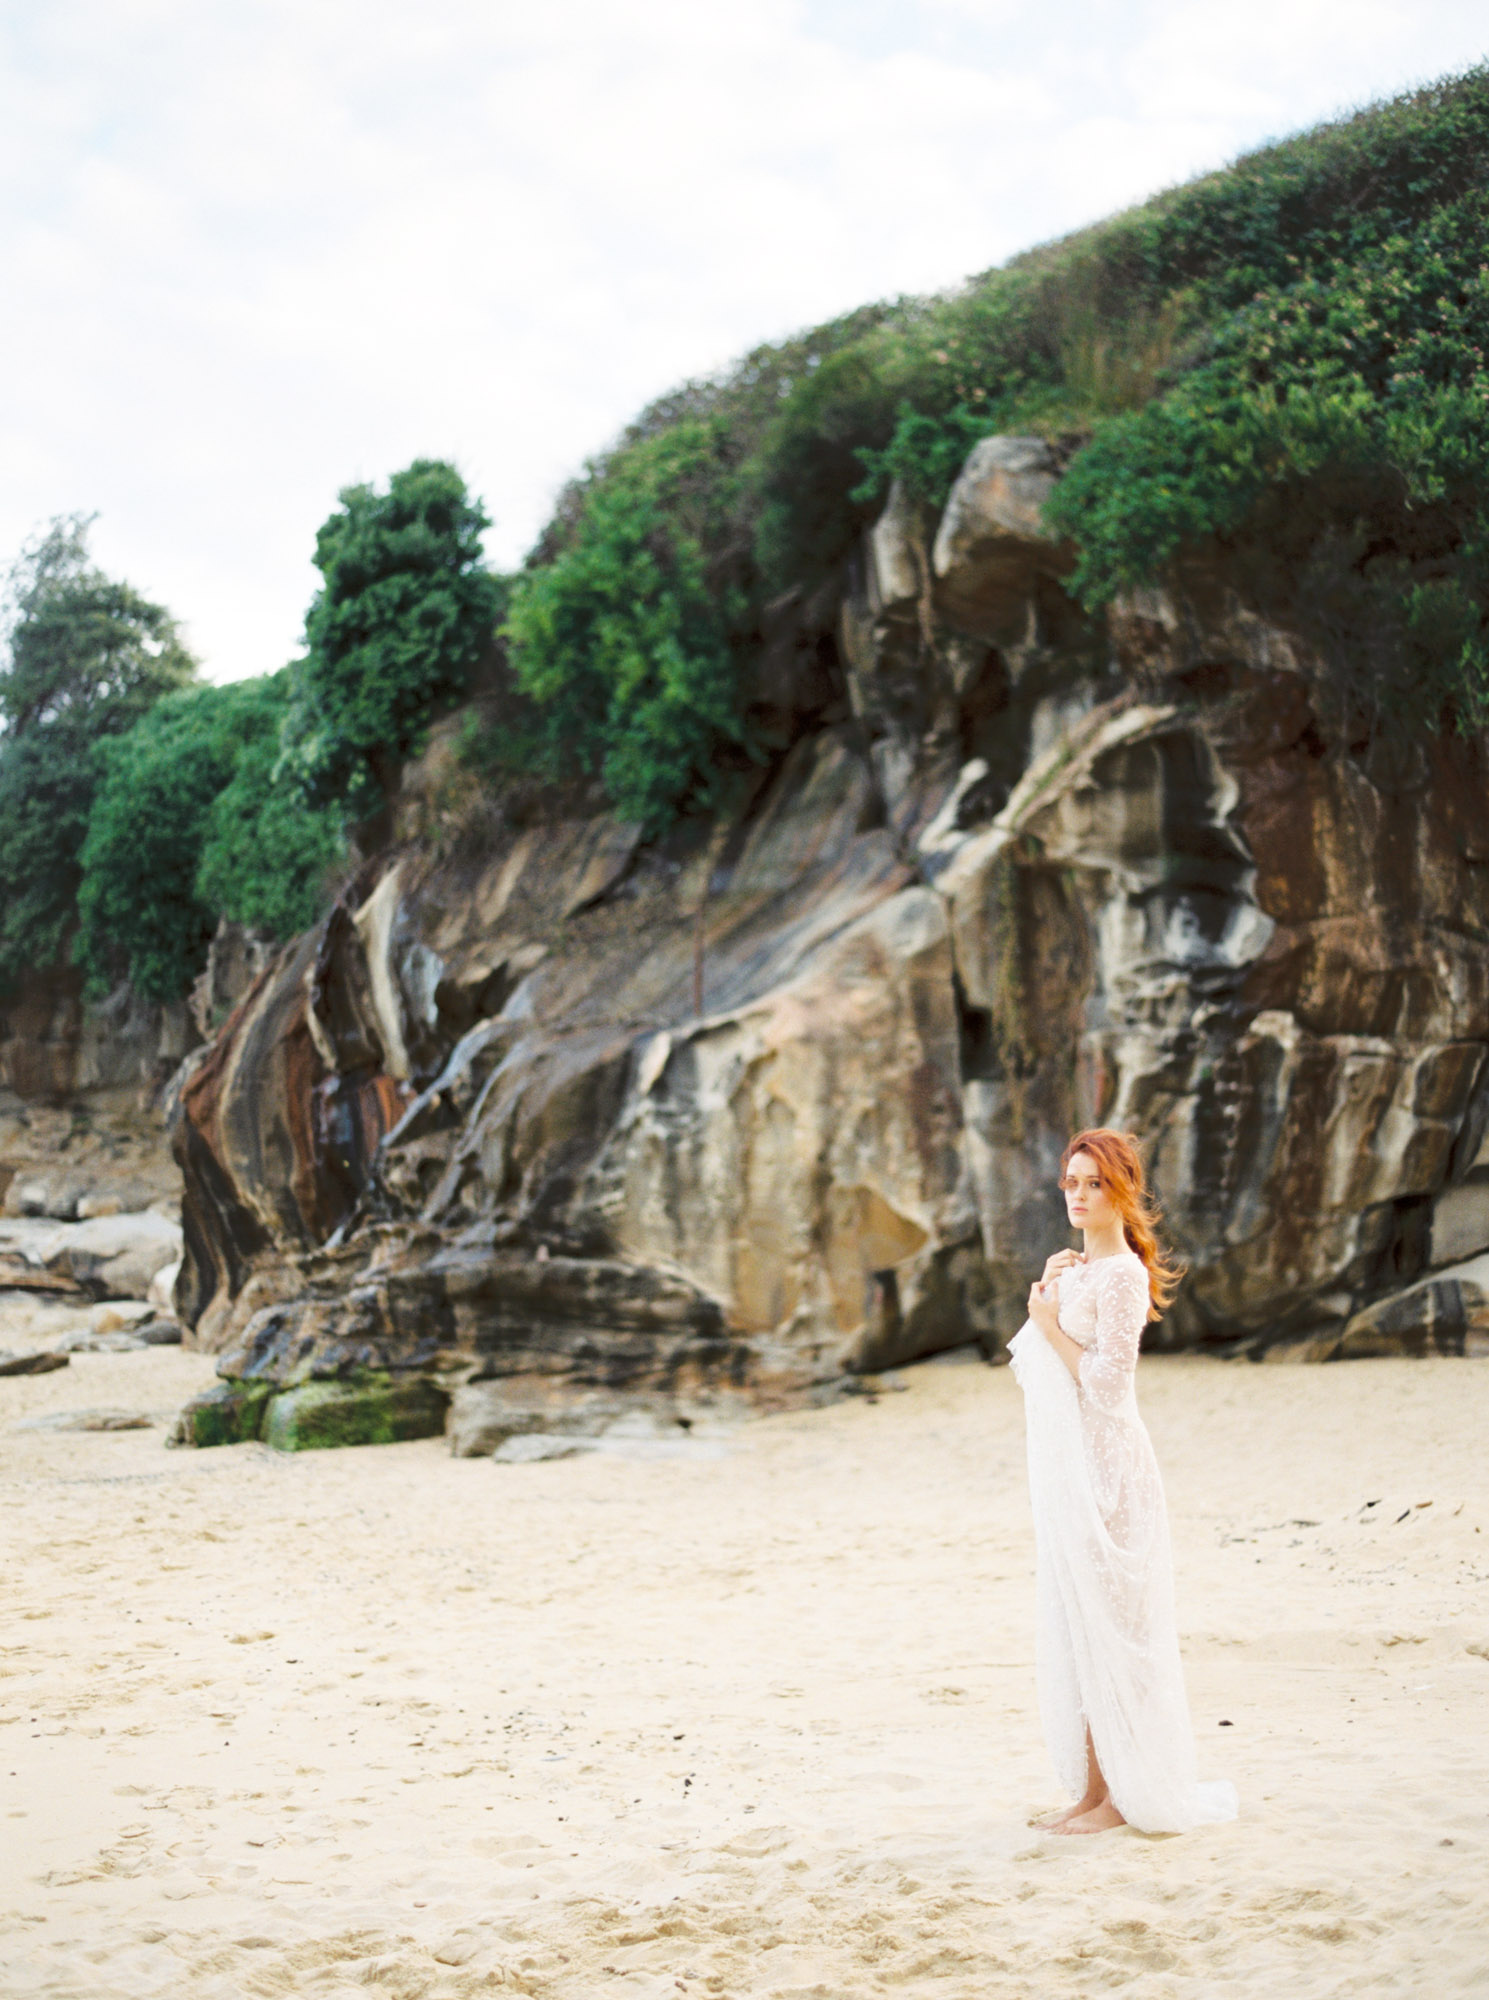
x: 253, y: 253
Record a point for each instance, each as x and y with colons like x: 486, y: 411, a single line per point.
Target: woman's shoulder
x: 1124, y: 1270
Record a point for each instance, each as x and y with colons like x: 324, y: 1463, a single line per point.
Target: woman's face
x: 1086, y: 1200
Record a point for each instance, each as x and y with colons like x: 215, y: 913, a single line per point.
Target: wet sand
x: 750, y: 1721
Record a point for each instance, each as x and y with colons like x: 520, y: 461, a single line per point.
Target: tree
x: 267, y: 855
x: 86, y: 657
x: 623, y: 642
x: 188, y: 826
x: 404, y: 616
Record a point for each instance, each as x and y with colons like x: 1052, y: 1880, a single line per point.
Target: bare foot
x: 1100, y: 1819
x: 1058, y: 1815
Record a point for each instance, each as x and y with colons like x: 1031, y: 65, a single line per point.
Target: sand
x: 756, y: 1720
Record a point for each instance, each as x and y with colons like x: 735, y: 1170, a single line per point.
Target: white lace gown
x: 1108, y: 1645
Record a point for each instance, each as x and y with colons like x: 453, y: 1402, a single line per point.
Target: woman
x: 1111, y: 1689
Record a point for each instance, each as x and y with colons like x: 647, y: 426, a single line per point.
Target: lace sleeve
x: 1108, y: 1365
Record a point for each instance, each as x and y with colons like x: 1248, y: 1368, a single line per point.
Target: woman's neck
x: 1106, y: 1241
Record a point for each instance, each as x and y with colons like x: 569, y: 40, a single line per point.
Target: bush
x: 268, y: 857
x: 187, y: 827
x: 404, y: 616
x: 1350, y: 406
x: 924, y: 453
x: 622, y: 643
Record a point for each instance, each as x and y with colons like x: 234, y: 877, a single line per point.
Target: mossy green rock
x: 227, y: 1413
x: 375, y: 1409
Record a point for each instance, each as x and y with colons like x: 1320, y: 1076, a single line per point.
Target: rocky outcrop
x: 558, y: 1121
x: 235, y: 958
x: 106, y: 1257
x: 82, y: 1133
x: 58, y: 1048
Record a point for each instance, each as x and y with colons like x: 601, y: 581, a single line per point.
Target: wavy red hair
x: 1126, y: 1187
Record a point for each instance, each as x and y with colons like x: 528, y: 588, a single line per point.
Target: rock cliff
x: 551, y: 1121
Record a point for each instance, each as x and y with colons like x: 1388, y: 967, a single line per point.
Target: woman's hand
x: 1063, y: 1260
x: 1043, y: 1309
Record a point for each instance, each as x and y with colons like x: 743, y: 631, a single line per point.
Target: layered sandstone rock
x: 82, y: 1133
x: 559, y: 1122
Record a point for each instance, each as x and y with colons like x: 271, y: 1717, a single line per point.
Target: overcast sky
x: 254, y: 252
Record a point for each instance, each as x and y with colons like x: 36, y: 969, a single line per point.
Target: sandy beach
x: 751, y: 1717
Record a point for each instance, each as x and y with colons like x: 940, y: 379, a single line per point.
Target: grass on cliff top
x: 1291, y: 348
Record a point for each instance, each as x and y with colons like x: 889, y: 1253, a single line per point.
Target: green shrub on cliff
x: 924, y: 453
x: 187, y: 826
x: 622, y: 643
x: 87, y: 657
x: 405, y: 614
x: 1345, y: 415
x: 268, y: 857
x: 138, y: 911
x: 1209, y: 362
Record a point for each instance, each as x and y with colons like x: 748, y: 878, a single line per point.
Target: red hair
x: 1125, y: 1186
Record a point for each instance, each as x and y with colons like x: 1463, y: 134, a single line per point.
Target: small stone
x: 31, y: 1364
x: 529, y: 1450
x: 87, y: 1420
x: 158, y: 1332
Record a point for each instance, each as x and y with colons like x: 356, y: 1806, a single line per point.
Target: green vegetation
x: 227, y: 1413
x: 1287, y: 354
x: 87, y: 658
x: 1343, y: 416
x: 269, y: 857
x: 187, y: 826
x: 138, y: 809
x: 924, y: 453
x: 405, y: 615
x: 622, y: 643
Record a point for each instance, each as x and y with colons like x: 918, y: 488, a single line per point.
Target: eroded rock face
x: 57, y: 1048
x: 89, y: 1192
x: 564, y: 1122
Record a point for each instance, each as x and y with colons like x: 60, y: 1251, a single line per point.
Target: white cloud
x: 255, y: 252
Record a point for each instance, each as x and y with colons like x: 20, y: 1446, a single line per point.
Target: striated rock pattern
x: 558, y: 1121
x: 58, y: 1048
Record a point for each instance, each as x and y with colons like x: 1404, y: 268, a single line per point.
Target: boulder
x: 899, y: 560
x: 105, y: 1257
x: 372, y: 1409
x: 1460, y: 1221
x: 157, y: 1332
x: 992, y: 551
x: 999, y: 497
x: 227, y: 1413
x: 486, y: 1414
x: 1429, y: 1317
x: 162, y: 1292
x: 32, y: 1364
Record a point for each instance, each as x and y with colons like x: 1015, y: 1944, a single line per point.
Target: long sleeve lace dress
x: 1108, y: 1646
